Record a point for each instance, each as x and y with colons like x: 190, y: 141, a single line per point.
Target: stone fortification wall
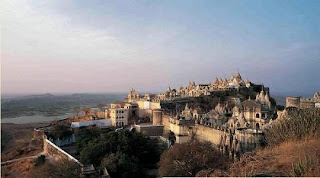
x: 180, y: 130
x: 55, y: 152
x: 232, y: 142
x: 300, y: 103
x: 166, y: 121
x: 144, y: 113
x: 307, y: 104
x: 292, y: 101
x: 50, y: 149
x: 208, y: 134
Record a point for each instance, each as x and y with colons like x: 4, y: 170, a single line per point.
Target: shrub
x: 40, y: 160
x: 63, y: 168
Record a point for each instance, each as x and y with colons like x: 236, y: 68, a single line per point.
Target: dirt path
x: 19, y: 159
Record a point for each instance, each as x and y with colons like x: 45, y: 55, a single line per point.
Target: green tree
x: 60, y: 131
x: 121, y: 165
x: 189, y: 158
x: 137, y: 149
x: 84, y: 135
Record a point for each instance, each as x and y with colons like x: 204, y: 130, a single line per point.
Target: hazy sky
x: 107, y: 46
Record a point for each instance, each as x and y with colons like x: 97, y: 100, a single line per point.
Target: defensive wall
x: 57, y: 153
x: 227, y: 140
x: 300, y: 103
x: 52, y: 150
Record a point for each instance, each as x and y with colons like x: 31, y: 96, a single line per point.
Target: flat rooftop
x: 147, y: 125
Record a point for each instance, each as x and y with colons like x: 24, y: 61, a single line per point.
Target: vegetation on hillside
x: 123, y: 153
x: 62, y: 168
x: 189, y: 158
x: 293, y: 148
x: 60, y: 132
x: 298, y: 125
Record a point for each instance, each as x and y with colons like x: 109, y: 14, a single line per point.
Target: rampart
x: 52, y: 150
x: 57, y: 153
x: 232, y: 142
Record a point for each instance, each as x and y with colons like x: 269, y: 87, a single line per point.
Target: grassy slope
x: 294, y: 158
x: 294, y: 148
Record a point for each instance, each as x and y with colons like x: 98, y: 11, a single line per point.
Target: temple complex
x: 229, y: 113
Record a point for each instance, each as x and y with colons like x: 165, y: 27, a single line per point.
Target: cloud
x: 28, y: 32
x: 47, y: 52
x: 62, y: 46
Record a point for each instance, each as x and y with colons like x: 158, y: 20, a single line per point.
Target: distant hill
x: 281, y: 100
x: 47, y: 95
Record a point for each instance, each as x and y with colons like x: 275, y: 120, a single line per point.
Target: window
x: 263, y: 115
x: 257, y: 115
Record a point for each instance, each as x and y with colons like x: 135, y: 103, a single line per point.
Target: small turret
x: 267, y: 98
x: 186, y: 107
x: 238, y: 75
x: 248, y: 83
x: 257, y: 97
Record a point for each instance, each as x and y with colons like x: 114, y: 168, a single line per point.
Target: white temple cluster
x: 193, y: 90
x: 249, y: 114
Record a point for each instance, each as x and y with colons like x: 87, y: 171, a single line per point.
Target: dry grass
x: 297, y: 125
x: 18, y: 141
x: 294, y: 158
x: 21, y: 168
x: 293, y: 149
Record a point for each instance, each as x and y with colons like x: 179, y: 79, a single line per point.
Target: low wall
x: 55, y: 152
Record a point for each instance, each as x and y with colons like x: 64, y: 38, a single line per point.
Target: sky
x: 94, y: 46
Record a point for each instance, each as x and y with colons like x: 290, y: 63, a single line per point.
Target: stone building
x: 303, y: 103
x: 119, y: 117
x: 133, y: 95
x: 293, y: 101
x: 256, y: 112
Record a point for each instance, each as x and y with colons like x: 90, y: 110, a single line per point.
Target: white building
x: 119, y: 116
x: 102, y: 123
